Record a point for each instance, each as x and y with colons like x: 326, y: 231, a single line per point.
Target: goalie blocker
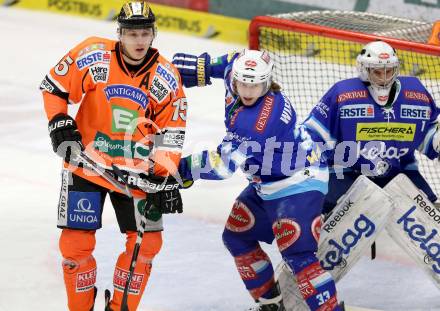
x: 360, y: 215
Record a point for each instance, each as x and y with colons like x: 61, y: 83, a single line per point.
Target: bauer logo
x: 415, y: 112
x: 356, y: 111
x: 127, y: 92
x: 84, y: 210
x: 362, y: 226
x: 241, y: 218
x: 427, y: 240
x: 92, y: 58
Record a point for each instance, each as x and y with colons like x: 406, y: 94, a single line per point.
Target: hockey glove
x: 194, y: 70
x: 185, y: 172
x: 64, y: 135
x: 164, y: 192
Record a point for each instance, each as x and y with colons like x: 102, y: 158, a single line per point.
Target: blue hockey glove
x: 194, y: 70
x: 185, y: 172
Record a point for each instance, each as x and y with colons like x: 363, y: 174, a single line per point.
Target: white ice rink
x: 193, y: 272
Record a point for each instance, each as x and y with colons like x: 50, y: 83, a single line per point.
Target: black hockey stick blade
x: 107, y: 298
x: 373, y: 250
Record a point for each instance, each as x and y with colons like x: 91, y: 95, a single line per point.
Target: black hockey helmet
x: 136, y: 15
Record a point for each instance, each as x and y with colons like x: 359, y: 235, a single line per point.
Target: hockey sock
x: 316, y: 285
x: 150, y: 246
x: 256, y: 271
x: 79, y: 268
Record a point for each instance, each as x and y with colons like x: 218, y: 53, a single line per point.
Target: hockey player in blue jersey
x: 373, y: 124
x: 287, y: 181
x: 369, y: 128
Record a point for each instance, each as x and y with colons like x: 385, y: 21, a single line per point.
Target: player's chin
x: 248, y: 101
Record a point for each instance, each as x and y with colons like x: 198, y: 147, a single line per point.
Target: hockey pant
x: 79, y: 268
x: 294, y: 222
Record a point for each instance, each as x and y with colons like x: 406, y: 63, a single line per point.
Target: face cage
x: 387, y: 82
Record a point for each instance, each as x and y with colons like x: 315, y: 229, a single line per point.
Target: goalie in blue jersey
x: 287, y: 180
x: 369, y: 129
x: 372, y: 125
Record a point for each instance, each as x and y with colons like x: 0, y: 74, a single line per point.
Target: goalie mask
x: 252, y: 67
x: 378, y: 64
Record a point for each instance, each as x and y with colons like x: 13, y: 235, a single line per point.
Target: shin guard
x: 79, y: 268
x: 256, y: 271
x: 150, y: 246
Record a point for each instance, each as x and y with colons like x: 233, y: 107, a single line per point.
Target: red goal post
x: 313, y: 50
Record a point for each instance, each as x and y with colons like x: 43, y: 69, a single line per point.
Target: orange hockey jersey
x: 124, y: 118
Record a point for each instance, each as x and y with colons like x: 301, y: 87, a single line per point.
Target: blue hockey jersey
x: 376, y: 141
x: 277, y: 156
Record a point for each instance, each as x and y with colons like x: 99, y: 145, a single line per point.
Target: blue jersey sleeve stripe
x: 315, y: 125
x: 308, y: 185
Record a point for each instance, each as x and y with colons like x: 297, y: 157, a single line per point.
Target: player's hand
x: 194, y: 70
x: 185, y: 172
x: 164, y: 192
x: 65, y: 136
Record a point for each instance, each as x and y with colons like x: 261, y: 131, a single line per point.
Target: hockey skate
x: 271, y: 304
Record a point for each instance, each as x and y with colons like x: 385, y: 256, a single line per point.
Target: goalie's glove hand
x: 65, y: 136
x: 194, y: 70
x: 164, y: 193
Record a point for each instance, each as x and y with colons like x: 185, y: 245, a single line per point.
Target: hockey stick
x: 137, y: 245
x: 123, y: 186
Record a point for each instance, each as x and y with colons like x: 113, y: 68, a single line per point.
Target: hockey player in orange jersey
x: 132, y: 114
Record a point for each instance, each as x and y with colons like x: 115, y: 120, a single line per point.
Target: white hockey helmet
x: 379, y: 65
x: 252, y: 66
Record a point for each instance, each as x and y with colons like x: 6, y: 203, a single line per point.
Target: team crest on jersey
x: 158, y: 89
x: 92, y: 58
x: 415, y: 112
x: 356, y: 111
x: 127, y: 92
x: 168, y: 76
x: 241, y: 218
x: 287, y: 232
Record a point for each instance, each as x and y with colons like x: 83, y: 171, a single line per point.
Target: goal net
x: 313, y: 50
